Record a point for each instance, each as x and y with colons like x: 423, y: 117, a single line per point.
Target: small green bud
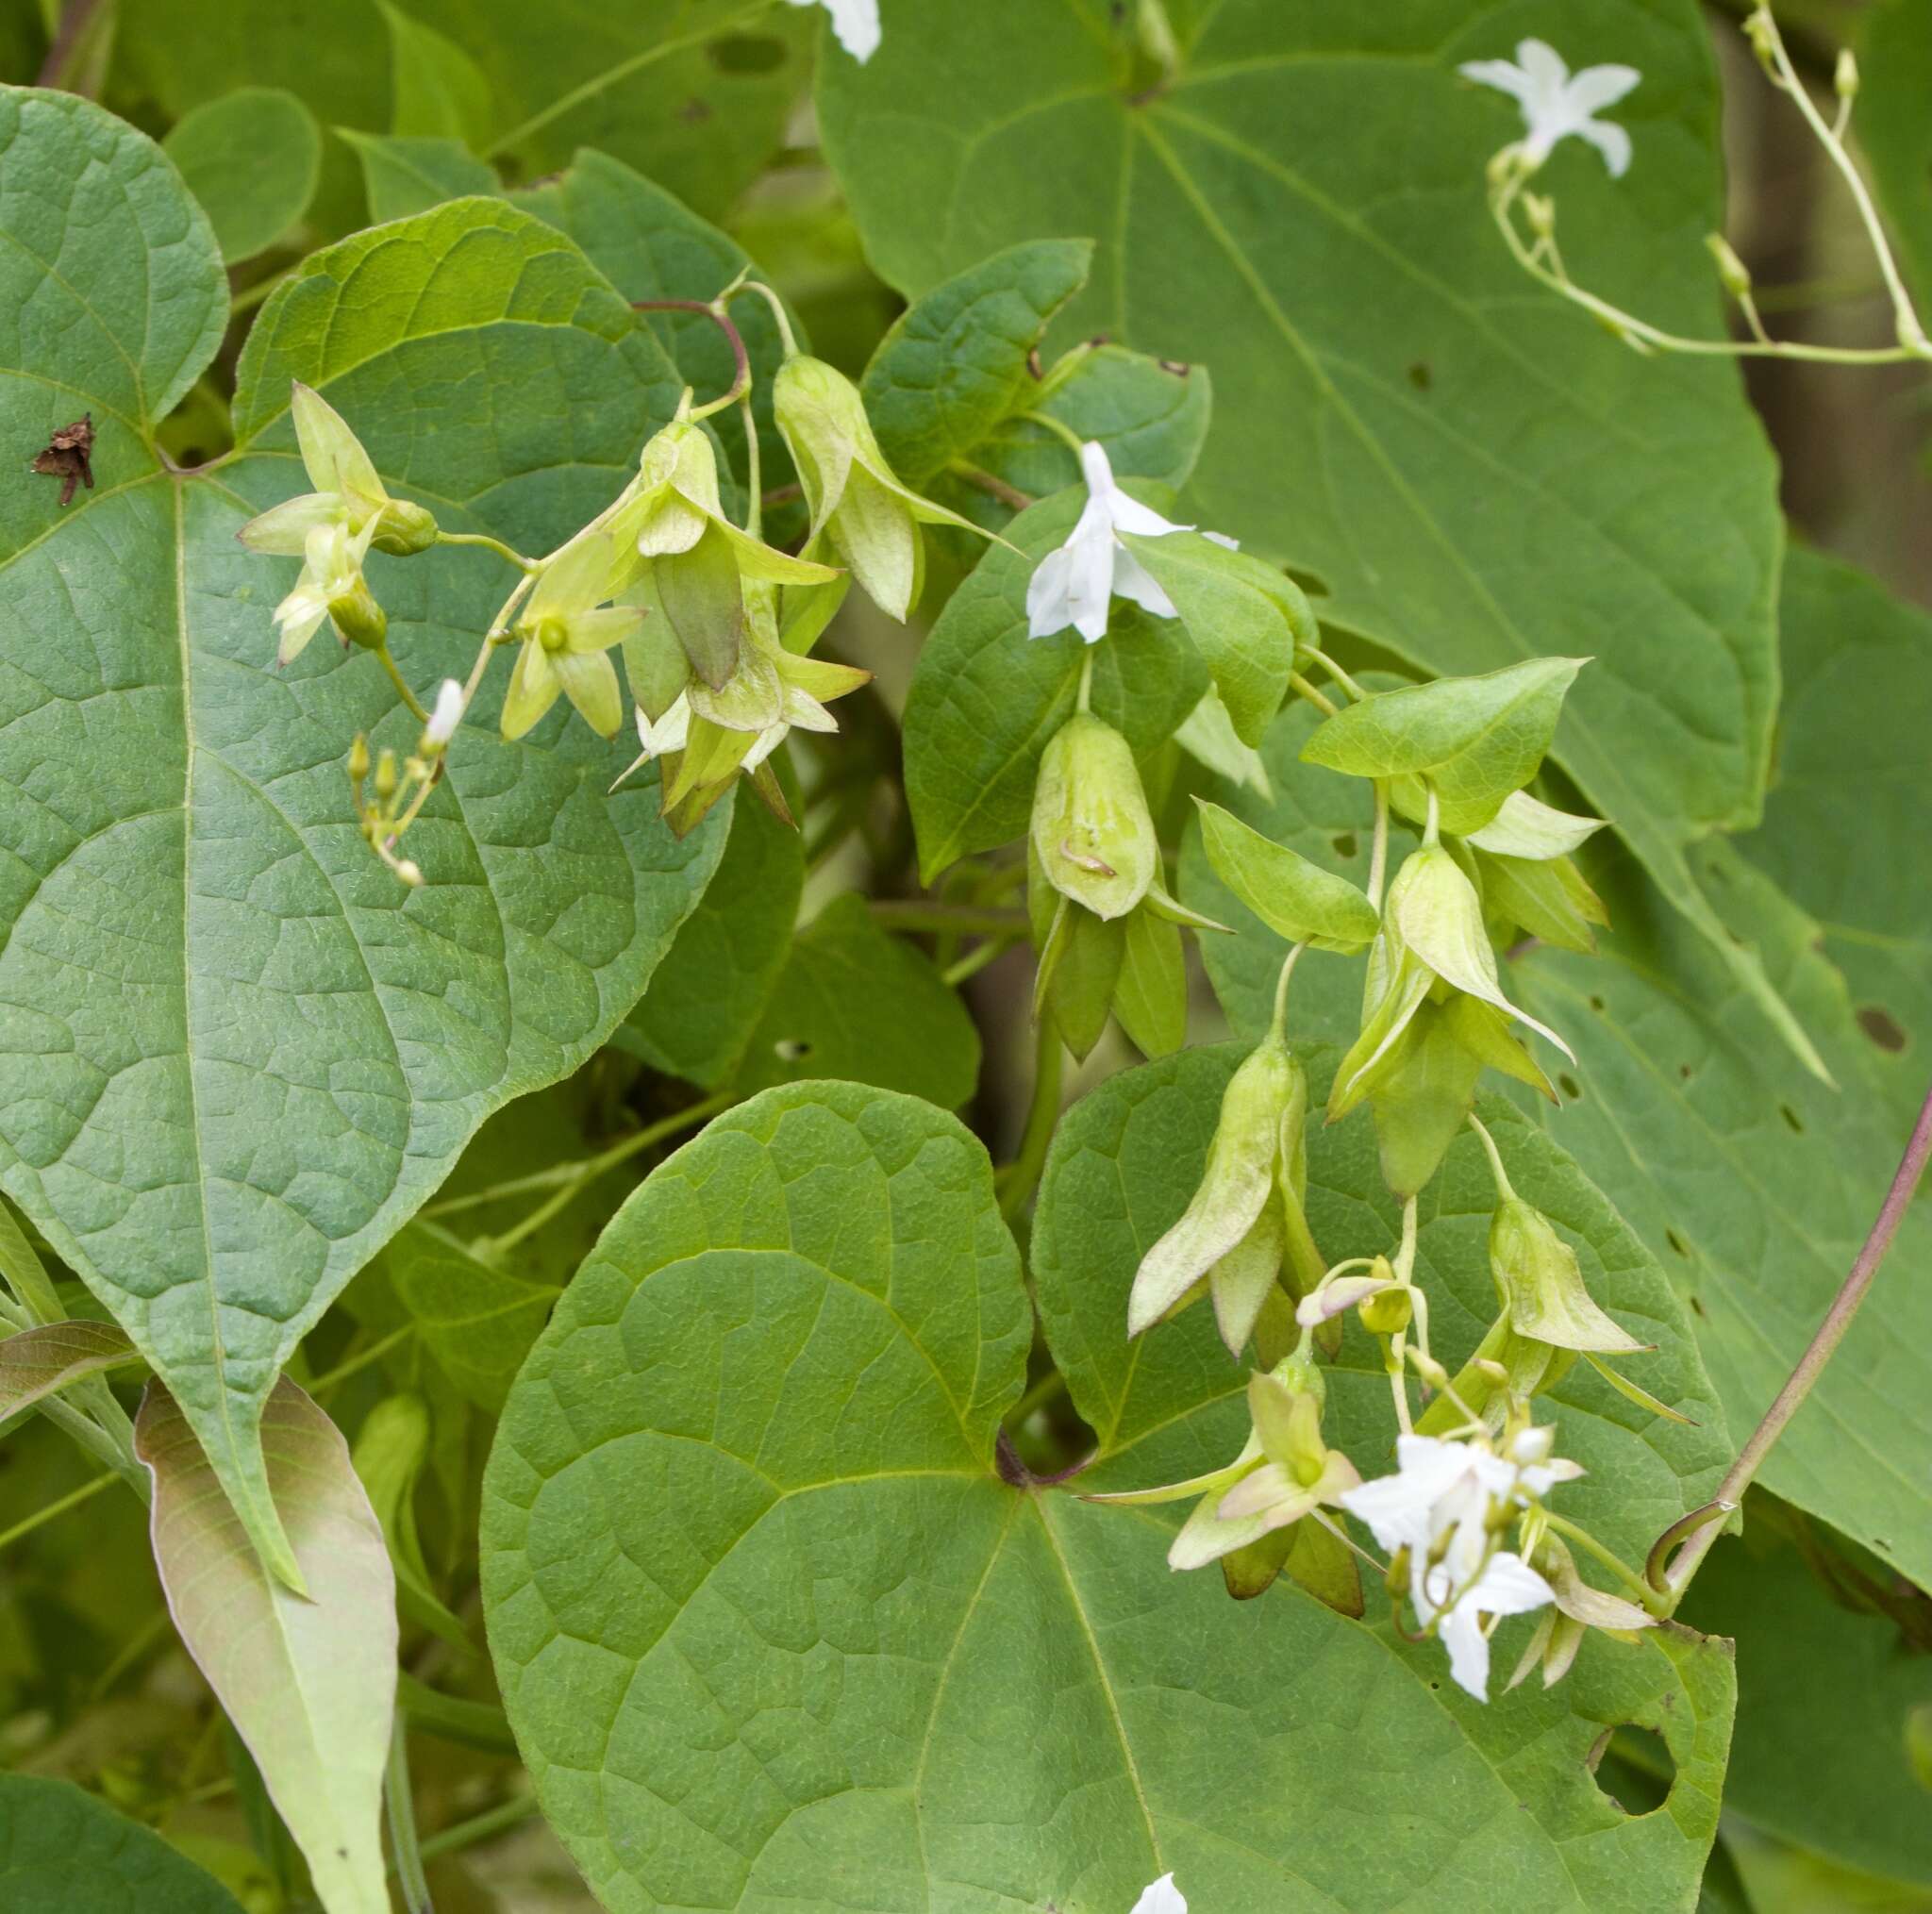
x: 1540, y: 211
x: 386, y: 777
x: 1845, y: 76
x: 403, y: 529
x: 409, y: 871
x: 358, y: 617
x: 359, y: 759
x: 1091, y: 829
x: 1731, y: 271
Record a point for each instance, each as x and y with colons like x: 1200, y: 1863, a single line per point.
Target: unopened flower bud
x: 1091, y: 830
x: 1845, y: 78
x: 1762, y: 34
x: 386, y: 775
x: 409, y: 871
x: 1540, y: 211
x: 358, y: 617
x: 359, y: 759
x: 444, y: 717
x: 403, y: 529
x: 1731, y: 271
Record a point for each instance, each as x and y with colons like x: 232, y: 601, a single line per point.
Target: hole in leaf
x: 1792, y: 1118
x: 1880, y: 1026
x: 1634, y: 1768
x: 1568, y: 1086
x: 1678, y: 1243
x: 746, y: 52
x: 791, y: 1050
x: 1345, y: 845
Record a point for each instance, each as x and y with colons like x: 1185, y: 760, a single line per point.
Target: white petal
x: 1597, y: 87
x: 1468, y: 1651
x: 767, y: 742
x: 1611, y: 140
x: 1222, y: 540
x: 1049, y: 608
x: 667, y: 733
x: 856, y: 24
x: 1508, y: 1587
x: 1500, y: 74
x: 447, y: 714
x: 1091, y: 582
x: 1545, y: 70
x: 1161, y: 1897
x: 1134, y: 582
x: 1096, y: 470
x: 1205, y: 1536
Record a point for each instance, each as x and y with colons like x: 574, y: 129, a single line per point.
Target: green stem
x: 360, y: 1360
x: 1378, y: 854
x: 960, y: 919
x: 404, y: 1844
x: 1652, y: 1603
x: 1083, y: 699
x: 978, y: 476
x: 753, y: 508
x: 402, y: 685
x: 490, y: 545
x: 1303, y: 689
x: 741, y: 361
x: 987, y: 952
x: 1059, y: 429
x: 779, y: 312
x: 480, y: 1827
x: 1505, y: 1190
x: 593, y: 1167
x: 73, y: 1499
x: 1278, y: 1029
x: 1022, y: 1176
x: 1804, y: 1378
x: 1335, y: 672
x: 1050, y: 1387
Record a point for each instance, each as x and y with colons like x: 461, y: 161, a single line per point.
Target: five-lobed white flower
x: 1075, y: 584
x: 1557, y: 103
x: 446, y: 714
x: 1437, y: 1506
x: 855, y: 22
x: 1161, y: 1897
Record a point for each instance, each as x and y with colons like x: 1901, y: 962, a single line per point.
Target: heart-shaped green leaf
x: 1293, y: 896
x: 772, y: 1633
x: 62, y: 1850
x: 249, y: 1052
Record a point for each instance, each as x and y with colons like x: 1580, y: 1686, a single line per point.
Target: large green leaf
x: 986, y: 698
x: 694, y: 92
x: 710, y: 991
x: 62, y: 1850
x: 1847, y: 814
x: 1821, y: 1756
x: 773, y: 1634
x: 1755, y: 1185
x: 1895, y: 132
x: 307, y: 1680
x: 1479, y: 474
x: 252, y: 159
x: 239, y: 1053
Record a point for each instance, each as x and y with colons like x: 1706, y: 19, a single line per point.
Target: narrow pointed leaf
x: 38, y: 1362
x: 1292, y: 896
x: 309, y: 1682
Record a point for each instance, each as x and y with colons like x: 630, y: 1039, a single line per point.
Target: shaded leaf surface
x: 309, y: 1683
x: 854, y: 1001
x: 402, y: 175
x: 241, y: 1053
x: 774, y: 1636
x: 61, y: 1849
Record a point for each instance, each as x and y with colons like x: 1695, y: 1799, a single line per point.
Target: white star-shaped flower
x: 1557, y: 103
x: 1161, y: 1897
x: 1075, y: 584
x: 855, y: 22
x: 1438, y: 1506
